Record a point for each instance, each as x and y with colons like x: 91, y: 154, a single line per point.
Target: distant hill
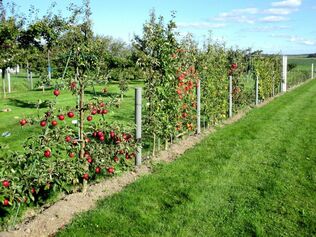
x: 313, y: 55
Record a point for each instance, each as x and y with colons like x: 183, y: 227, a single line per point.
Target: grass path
x: 256, y: 177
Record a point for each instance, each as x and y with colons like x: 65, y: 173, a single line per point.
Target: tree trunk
x: 49, y: 68
x: 81, y: 127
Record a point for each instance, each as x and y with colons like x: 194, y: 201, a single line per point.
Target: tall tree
x: 9, y: 33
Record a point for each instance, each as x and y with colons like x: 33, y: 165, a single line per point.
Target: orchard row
x: 78, y: 144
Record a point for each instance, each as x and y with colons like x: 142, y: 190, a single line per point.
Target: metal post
x: 31, y: 80
x: 138, y: 121
x: 9, y: 81
x: 230, y: 96
x: 27, y: 71
x: 273, y: 81
x: 198, y: 107
x: 312, y: 70
x: 257, y: 90
x: 284, y: 74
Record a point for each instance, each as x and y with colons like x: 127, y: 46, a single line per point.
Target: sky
x: 274, y: 26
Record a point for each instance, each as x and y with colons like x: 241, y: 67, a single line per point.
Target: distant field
x: 303, y: 69
x: 302, y: 61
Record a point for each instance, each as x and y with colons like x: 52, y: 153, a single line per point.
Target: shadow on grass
x: 100, y: 93
x: 26, y: 104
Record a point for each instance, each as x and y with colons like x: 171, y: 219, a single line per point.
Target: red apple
x: 5, y: 202
x: 72, y: 154
x: 23, y: 122
x: 94, y: 112
x: 43, y: 123
x: 89, y: 118
x: 73, y: 85
x: 61, y: 117
x: 47, y: 153
x: 70, y: 114
x: 54, y: 122
x: 56, y: 92
x: 98, y: 170
x: 6, y: 183
x: 110, y: 170
x: 68, y: 139
x: 85, y: 176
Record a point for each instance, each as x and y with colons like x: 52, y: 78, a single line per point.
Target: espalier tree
x: 154, y: 50
x: 170, y: 80
x: 212, y: 66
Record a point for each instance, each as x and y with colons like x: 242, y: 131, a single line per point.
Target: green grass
x: 302, y: 71
x: 302, y: 62
x: 256, y: 177
x: 23, y: 102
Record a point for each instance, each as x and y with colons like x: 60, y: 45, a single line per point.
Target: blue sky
x: 275, y: 26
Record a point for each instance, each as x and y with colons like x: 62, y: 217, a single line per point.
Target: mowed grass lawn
x: 256, y: 177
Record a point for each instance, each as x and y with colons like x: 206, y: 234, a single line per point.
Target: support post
x: 31, y: 80
x: 27, y: 71
x: 198, y: 107
x: 138, y: 121
x: 230, y: 112
x: 257, y: 90
x: 273, y: 86
x: 9, y: 81
x: 284, y: 74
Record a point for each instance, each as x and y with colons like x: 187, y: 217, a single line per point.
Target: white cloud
x: 238, y: 15
x: 302, y: 40
x: 287, y: 3
x: 296, y: 39
x: 236, y: 12
x: 266, y: 28
x: 250, y: 15
x: 279, y: 11
x: 271, y: 19
x: 200, y: 25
